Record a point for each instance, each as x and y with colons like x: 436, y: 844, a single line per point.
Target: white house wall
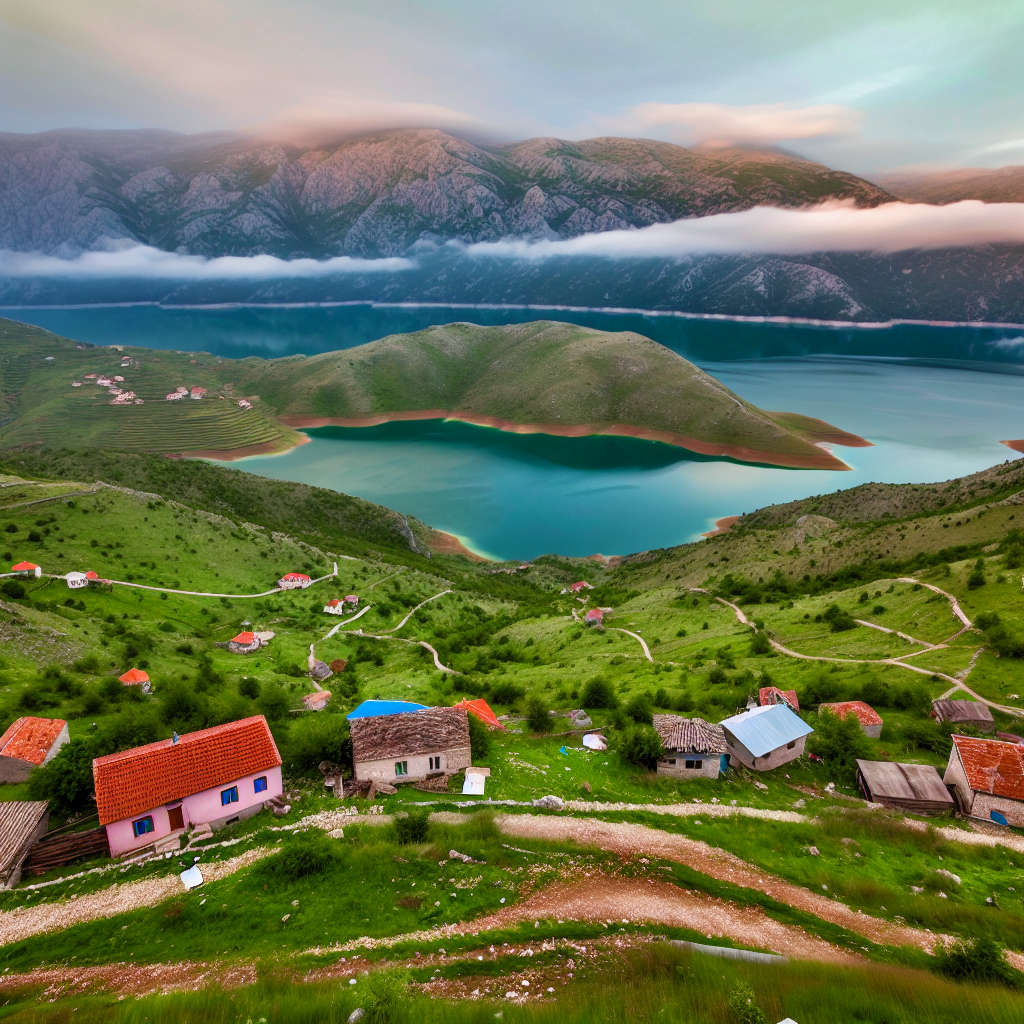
x: 383, y: 769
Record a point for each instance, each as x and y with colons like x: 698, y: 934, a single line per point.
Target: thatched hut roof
x: 418, y: 732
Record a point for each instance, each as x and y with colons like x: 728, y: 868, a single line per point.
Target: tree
x: 759, y: 644
x: 744, y: 1006
x: 641, y: 745
x: 838, y: 620
x: 479, y: 739
x: 66, y: 782
x: 839, y: 742
x: 274, y: 702
x: 320, y: 737
x: 537, y: 714
x: 598, y: 693
x: 641, y: 709
x: 979, y: 960
x: 977, y: 576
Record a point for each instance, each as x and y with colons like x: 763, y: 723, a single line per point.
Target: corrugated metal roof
x: 372, y: 708
x: 19, y: 820
x: 908, y: 783
x: 764, y: 729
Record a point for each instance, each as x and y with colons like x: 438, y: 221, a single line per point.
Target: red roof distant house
x: 594, y: 617
x: 90, y: 575
x: 29, y: 743
x: 773, y: 695
x: 134, y: 781
x: 317, y: 700
x: 293, y: 580
x: 988, y: 776
x: 134, y: 676
x: 482, y: 710
x: 870, y: 720
x: 243, y: 638
x: 583, y: 584
x: 28, y: 568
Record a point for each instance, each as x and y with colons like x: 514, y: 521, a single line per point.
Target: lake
x: 935, y: 401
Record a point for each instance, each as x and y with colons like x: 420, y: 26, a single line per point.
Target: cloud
x: 830, y: 227
x: 1007, y: 344
x: 143, y: 261
x: 718, y: 124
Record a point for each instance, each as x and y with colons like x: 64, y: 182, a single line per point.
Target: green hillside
x: 540, y: 377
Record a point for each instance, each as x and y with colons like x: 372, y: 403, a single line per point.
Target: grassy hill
x: 541, y: 377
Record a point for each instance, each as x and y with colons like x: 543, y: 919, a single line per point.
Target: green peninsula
x: 541, y: 377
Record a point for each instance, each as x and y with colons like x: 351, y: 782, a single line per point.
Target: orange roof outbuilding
x: 773, y: 695
x: 866, y: 714
x: 244, y: 638
x: 992, y: 766
x: 134, y: 781
x: 24, y: 567
x: 482, y: 710
x: 133, y: 677
x: 30, y: 739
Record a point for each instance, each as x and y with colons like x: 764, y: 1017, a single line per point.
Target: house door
x: 176, y: 818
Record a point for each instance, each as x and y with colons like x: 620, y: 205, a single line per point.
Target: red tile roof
x: 594, y: 615
x: 992, y: 766
x: 244, y: 638
x: 135, y: 781
x: 90, y: 575
x: 318, y: 697
x: 134, y: 675
x: 24, y: 567
x: 295, y: 576
x: 773, y: 695
x: 30, y: 739
x: 866, y: 714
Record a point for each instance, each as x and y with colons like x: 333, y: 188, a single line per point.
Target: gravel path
x: 639, y: 840
x: 690, y: 810
x: 24, y: 922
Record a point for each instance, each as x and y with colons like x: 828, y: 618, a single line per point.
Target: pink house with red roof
x: 294, y: 581
x: 215, y: 776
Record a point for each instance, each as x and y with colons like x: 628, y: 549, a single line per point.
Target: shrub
x: 274, y: 702
x: 166, y: 627
x: 641, y: 709
x: 977, y: 576
x: 412, y: 828
x: 249, y: 687
x: 838, y: 620
x: 479, y: 739
x: 384, y: 991
x: 684, y: 702
x: 640, y: 745
x: 507, y: 693
x: 744, y: 1006
x: 537, y: 714
x: 185, y: 648
x: 599, y: 693
x: 759, y: 644
x: 840, y: 741
x: 66, y: 782
x: 717, y: 676
x: 662, y: 698
x: 978, y: 960
x: 309, y: 853
x: 319, y: 737
x: 12, y: 589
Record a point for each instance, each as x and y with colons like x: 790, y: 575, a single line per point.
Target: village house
x: 916, y: 788
x: 294, y: 581
x: 763, y: 738
x: 244, y: 643
x: 870, y: 720
x: 335, y: 606
x: 964, y: 712
x: 409, y: 746
x: 27, y: 569
x: 575, y: 588
x: 694, y: 749
x: 352, y: 600
x: 77, y: 580
x: 243, y: 404
x: 594, y: 617
x: 317, y: 700
x: 136, y: 677
x: 197, y: 393
x: 987, y: 777
x: 29, y: 743
x: 318, y: 670
x: 217, y: 776
x: 773, y: 695
x: 22, y: 824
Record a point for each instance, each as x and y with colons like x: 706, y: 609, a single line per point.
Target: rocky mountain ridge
x: 61, y: 192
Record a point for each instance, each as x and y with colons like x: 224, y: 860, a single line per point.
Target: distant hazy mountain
x: 1004, y: 185
x: 221, y: 194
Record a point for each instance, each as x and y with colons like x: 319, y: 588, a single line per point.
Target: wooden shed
x: 22, y: 824
x: 911, y: 787
x: 964, y: 712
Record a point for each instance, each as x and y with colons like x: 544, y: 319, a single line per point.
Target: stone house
x: 763, y: 738
x: 693, y: 748
x: 29, y: 743
x: 987, y: 777
x: 152, y: 794
x: 410, y: 745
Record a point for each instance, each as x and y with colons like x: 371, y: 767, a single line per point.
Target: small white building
x: 77, y: 580
x: 294, y: 581
x: 335, y: 607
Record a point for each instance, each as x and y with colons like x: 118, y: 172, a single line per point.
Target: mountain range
x: 406, y: 192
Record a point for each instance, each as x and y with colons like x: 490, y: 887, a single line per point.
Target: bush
x: 319, y: 737
x: 599, y: 693
x: 87, y: 665
x: 717, y: 676
x: 384, y: 991
x: 479, y: 739
x: 759, y: 645
x: 506, y: 693
x: 249, y: 687
x: 838, y: 620
x: 309, y: 853
x: 977, y: 576
x: 840, y: 741
x: 12, y: 589
x: 413, y: 828
x: 744, y: 1006
x: 641, y: 709
x: 979, y: 960
x: 537, y: 717
x: 274, y: 702
x: 640, y: 745
x: 66, y: 782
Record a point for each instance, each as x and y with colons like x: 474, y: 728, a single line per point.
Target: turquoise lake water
x: 934, y: 400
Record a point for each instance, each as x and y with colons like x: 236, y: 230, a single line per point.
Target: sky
x: 866, y: 85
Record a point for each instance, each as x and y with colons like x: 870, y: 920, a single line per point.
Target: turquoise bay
x: 934, y: 400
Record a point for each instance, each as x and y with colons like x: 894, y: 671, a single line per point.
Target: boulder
x: 550, y: 803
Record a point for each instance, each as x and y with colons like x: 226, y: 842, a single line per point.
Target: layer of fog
x: 830, y: 227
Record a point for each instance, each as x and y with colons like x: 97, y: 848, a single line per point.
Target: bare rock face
x: 67, y: 191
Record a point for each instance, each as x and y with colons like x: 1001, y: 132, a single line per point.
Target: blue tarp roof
x: 372, y: 708
x: 765, y: 729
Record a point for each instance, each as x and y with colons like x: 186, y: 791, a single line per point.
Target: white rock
x: 356, y: 1015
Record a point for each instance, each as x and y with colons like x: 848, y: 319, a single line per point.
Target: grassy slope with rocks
x: 544, y: 376
x: 512, y: 638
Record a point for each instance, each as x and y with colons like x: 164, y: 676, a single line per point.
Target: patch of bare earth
x: 24, y: 922
x: 638, y: 840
